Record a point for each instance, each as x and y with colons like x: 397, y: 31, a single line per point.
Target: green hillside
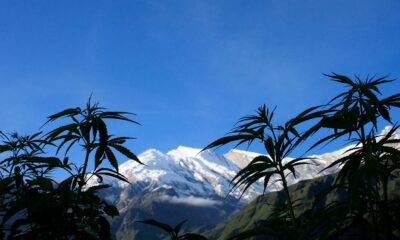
x: 261, y: 208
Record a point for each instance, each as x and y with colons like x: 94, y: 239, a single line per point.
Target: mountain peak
x: 150, y: 154
x: 183, y: 151
x: 240, y: 158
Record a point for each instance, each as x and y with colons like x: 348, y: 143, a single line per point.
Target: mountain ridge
x: 185, y: 180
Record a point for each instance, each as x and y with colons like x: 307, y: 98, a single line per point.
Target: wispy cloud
x: 193, y: 201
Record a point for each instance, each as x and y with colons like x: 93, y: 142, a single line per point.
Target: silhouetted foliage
x: 279, y: 141
x: 33, y: 205
x: 367, y: 166
x: 365, y: 169
x: 174, y: 232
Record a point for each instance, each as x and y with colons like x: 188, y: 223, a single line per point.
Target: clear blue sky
x: 188, y: 69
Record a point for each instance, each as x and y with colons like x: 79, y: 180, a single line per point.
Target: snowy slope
x: 186, y: 183
x: 191, y: 173
x: 188, y: 172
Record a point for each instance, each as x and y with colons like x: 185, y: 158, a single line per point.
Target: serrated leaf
x: 103, y: 133
x: 126, y: 152
x: 111, y: 158
x: 66, y: 112
x: 98, y: 157
x: 111, y: 173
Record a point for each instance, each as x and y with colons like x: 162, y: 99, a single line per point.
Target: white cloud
x: 194, y: 201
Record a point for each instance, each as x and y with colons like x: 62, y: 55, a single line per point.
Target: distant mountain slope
x: 186, y: 184
x: 262, y: 207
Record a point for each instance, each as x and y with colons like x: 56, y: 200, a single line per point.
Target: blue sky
x: 188, y: 69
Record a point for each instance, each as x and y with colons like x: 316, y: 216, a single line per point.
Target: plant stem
x: 290, y: 203
x: 83, y: 174
x: 362, y: 125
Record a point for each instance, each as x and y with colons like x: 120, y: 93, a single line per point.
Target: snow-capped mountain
x: 191, y: 173
x: 186, y: 183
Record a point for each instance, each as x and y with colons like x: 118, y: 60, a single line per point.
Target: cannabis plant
x: 279, y: 141
x: 33, y: 205
x: 367, y: 166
